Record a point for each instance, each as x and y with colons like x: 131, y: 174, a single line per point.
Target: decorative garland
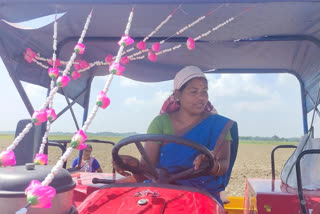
x: 39, y: 194
x: 153, y: 52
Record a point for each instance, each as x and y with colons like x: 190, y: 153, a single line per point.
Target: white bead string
x: 90, y: 118
x: 38, y: 57
x: 131, y: 57
x: 195, y: 39
x: 161, y: 24
x: 91, y: 65
x: 55, y: 169
x: 54, y: 47
x: 138, y: 57
x: 110, y: 77
x: 155, y: 30
x: 84, y: 31
x: 20, y: 137
x: 39, y: 63
x: 22, y: 211
x: 49, y: 99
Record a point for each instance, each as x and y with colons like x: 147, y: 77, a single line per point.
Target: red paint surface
x: 124, y: 200
x: 264, y: 197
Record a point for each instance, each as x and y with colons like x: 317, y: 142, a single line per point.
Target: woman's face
x: 87, y: 152
x: 194, y: 97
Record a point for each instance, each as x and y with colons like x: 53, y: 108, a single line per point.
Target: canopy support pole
x: 71, y: 109
x: 17, y: 82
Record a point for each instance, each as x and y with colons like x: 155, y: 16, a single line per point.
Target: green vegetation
x: 6, y: 136
x: 268, y: 142
x: 68, y: 137
x: 273, y: 138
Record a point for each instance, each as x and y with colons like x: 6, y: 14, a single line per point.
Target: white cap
x: 186, y: 74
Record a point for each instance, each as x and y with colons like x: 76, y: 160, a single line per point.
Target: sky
x: 263, y: 105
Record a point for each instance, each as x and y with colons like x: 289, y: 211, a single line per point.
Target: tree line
x: 273, y: 138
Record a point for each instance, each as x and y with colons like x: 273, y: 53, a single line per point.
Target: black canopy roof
x: 265, y: 37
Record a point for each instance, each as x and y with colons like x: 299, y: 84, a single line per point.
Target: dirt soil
x: 253, y: 161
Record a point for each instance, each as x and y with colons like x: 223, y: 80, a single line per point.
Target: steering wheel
x: 151, y: 172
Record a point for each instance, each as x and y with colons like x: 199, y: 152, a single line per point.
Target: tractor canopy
x: 247, y: 36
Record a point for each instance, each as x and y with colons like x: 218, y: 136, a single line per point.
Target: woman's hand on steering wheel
x: 200, y: 159
x: 128, y: 160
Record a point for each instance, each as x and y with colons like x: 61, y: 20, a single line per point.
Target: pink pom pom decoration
x: 80, y: 64
x: 79, y: 48
x: 40, y: 159
x: 51, y: 114
x: 53, y: 73
x: 56, y: 64
x: 156, y: 47
x: 125, y: 40
x: 141, y: 45
x: 7, y: 158
x: 38, y: 195
x: 75, y: 75
x: 124, y: 60
x: 116, y: 68
x: 109, y: 59
x: 29, y: 55
x: 190, y: 44
x: 152, y: 56
x: 84, y: 64
x: 39, y: 117
x: 102, y: 100
x: 63, y: 81
x: 78, y: 140
x: 77, y: 63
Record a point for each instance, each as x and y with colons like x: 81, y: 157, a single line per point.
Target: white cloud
x: 133, y: 101
x: 160, y: 97
x: 236, y: 85
x: 125, y: 82
x: 271, y: 104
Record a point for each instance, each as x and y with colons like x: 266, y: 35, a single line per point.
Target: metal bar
x: 283, y: 38
x: 314, y: 103
x: 22, y: 92
x: 304, y: 108
x: 273, y: 174
x: 303, y: 103
x: 63, y: 148
x: 86, y: 100
x: 299, y: 182
x: 126, y: 2
x: 85, y: 111
x: 146, y: 158
x: 272, y: 157
x: 15, y: 80
x: 71, y: 104
x: 71, y: 110
x: 116, y: 39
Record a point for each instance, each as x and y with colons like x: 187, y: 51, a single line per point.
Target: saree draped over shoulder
x: 210, y: 133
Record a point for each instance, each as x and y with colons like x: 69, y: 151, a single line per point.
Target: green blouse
x: 162, y: 125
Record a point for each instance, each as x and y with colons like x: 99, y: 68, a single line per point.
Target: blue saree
x: 210, y: 133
